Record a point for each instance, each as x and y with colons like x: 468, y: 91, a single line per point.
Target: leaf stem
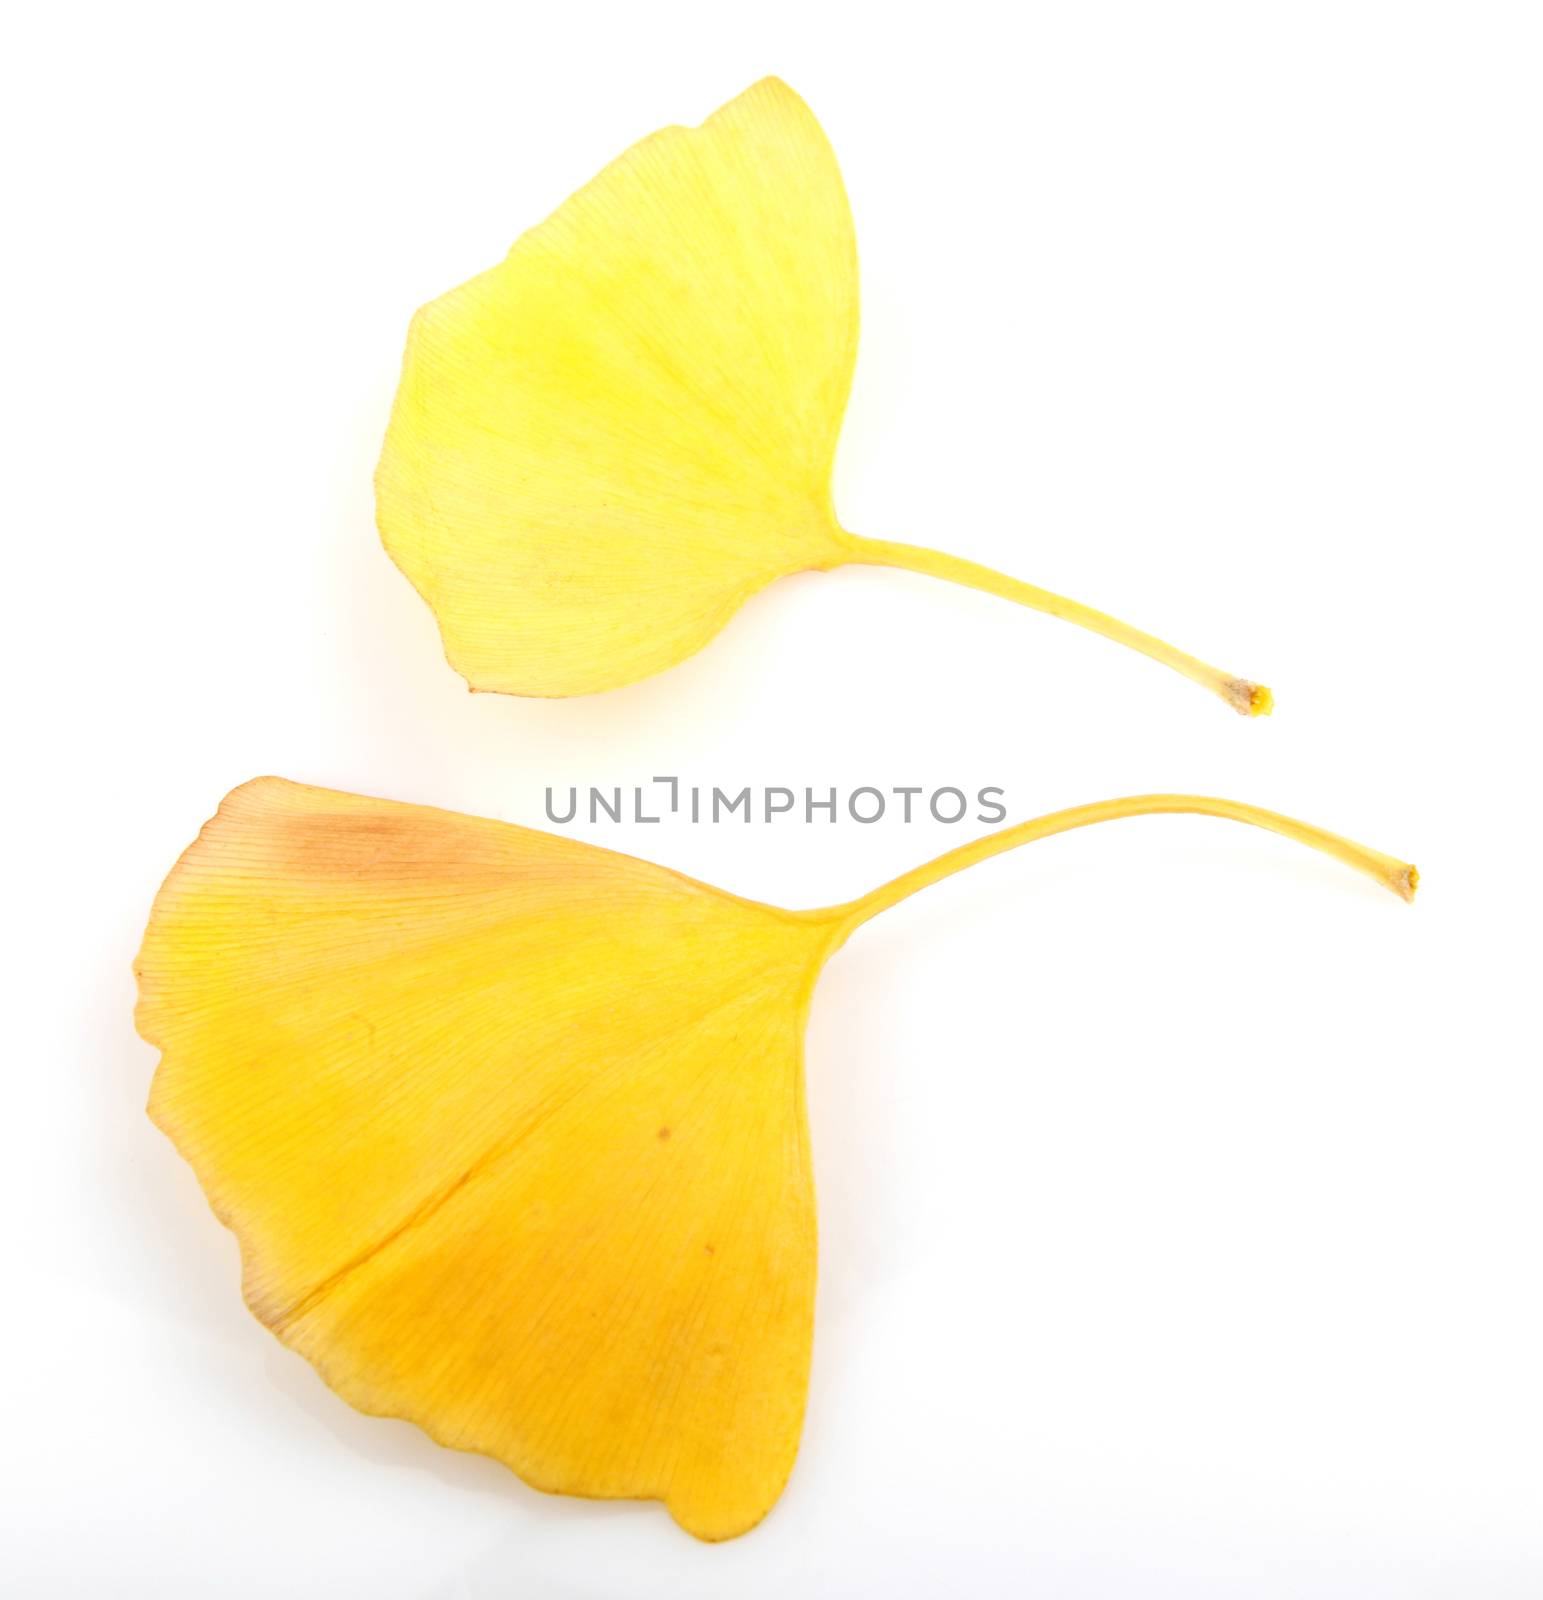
x: 1250, y: 699
x: 1398, y: 876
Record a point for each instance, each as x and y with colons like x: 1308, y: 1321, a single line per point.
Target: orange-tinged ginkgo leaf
x: 511, y: 1128
x: 604, y: 445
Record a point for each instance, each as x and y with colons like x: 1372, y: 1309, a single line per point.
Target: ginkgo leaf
x: 604, y: 445
x: 511, y: 1128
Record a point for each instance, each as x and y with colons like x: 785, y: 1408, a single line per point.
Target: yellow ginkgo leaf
x: 511, y: 1128
x: 604, y: 445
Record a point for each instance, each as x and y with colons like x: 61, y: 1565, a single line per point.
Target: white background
x: 1180, y: 1191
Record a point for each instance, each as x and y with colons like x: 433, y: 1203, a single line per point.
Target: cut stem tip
x: 1249, y: 699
